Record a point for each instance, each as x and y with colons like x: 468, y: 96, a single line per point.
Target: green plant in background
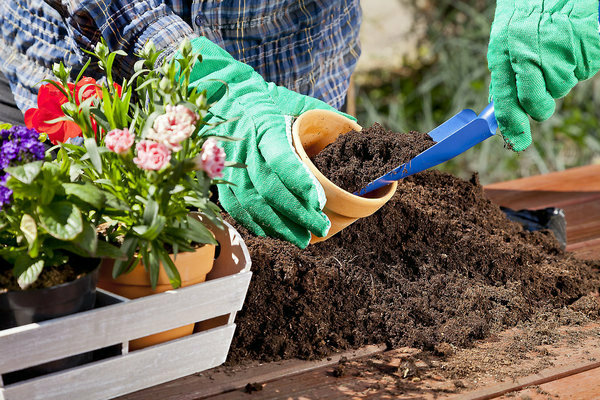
x: 451, y: 74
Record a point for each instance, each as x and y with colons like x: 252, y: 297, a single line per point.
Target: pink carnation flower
x: 151, y: 155
x: 174, y: 126
x: 211, y: 159
x: 119, y: 140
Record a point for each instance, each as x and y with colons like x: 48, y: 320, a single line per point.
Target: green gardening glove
x: 275, y: 195
x: 539, y: 50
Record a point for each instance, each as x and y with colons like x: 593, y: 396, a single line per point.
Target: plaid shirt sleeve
x: 125, y: 25
x: 309, y: 46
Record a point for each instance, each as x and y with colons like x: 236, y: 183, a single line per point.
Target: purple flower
x: 5, y: 194
x: 19, y: 145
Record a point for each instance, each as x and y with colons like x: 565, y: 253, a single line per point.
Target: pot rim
x: 40, y: 291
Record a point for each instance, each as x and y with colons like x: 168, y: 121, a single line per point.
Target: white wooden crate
x: 116, y: 324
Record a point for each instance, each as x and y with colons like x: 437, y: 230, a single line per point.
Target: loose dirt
x: 357, y: 158
x: 48, y: 278
x: 437, y: 268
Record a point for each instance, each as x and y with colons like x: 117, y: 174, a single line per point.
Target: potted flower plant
x: 49, y: 249
x: 140, y: 143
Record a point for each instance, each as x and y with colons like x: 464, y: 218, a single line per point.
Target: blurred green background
x: 447, y: 72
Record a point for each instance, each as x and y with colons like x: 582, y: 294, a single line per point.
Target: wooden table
x: 575, y: 374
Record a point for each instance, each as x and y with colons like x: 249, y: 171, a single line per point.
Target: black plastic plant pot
x: 28, y: 306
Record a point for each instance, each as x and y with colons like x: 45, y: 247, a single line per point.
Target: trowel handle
x: 490, y: 116
x: 458, y: 134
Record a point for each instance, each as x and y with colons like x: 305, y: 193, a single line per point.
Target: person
x: 281, y: 58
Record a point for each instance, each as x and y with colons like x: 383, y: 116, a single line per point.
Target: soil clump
x: 357, y: 158
x: 438, y: 267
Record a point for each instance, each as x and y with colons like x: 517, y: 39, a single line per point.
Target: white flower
x: 173, y: 127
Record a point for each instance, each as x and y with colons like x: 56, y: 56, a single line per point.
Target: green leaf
x: 87, y: 239
x: 150, y: 212
x: 29, y: 228
x: 27, y: 270
x: 200, y: 232
x: 113, y: 201
x: 150, y: 121
x: 92, y: 149
x: 87, y: 193
x: 61, y: 219
x: 153, y: 266
x: 101, y: 119
x: 107, y: 250
x: 151, y: 232
x: 25, y: 173
x: 170, y: 269
x: 48, y: 192
x: 87, y: 64
x: 128, y: 248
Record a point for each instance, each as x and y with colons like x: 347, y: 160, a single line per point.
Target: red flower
x: 49, y: 108
x: 91, y: 90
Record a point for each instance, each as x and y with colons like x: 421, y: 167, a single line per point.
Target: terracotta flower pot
x: 193, y: 268
x: 311, y: 133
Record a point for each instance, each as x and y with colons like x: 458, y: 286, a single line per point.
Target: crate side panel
x: 128, y: 373
x: 34, y: 344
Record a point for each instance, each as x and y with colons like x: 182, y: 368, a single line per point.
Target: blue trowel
x: 453, y: 137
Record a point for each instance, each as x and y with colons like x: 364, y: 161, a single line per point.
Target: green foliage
x: 49, y: 220
x: 451, y: 74
x: 146, y: 210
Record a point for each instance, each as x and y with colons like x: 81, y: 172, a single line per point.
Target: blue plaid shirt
x: 310, y: 46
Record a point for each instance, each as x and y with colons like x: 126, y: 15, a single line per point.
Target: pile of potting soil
x: 439, y: 263
x: 357, y: 158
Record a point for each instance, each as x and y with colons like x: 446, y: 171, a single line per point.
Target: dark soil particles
x: 48, y: 278
x: 438, y: 265
x: 357, y: 158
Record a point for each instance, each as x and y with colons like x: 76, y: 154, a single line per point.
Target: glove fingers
x: 526, y: 62
x: 512, y: 119
x: 237, y: 212
x: 532, y: 93
x: 589, y: 40
x: 275, y: 146
x: 270, y: 221
x: 559, y: 72
x: 273, y: 190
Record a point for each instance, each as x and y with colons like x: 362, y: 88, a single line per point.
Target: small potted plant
x: 140, y: 143
x: 49, y: 249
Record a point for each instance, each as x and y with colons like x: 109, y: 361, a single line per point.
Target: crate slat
x: 127, y: 373
x: 33, y: 344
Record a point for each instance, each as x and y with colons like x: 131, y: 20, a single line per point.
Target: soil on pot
x: 357, y: 158
x: 439, y: 264
x: 48, y: 278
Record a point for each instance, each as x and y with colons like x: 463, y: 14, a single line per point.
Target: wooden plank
x: 581, y: 179
x: 532, y: 380
x: 583, y: 221
x: 558, y: 189
x: 127, y: 373
x: 588, y: 250
x: 33, y: 344
x: 585, y: 385
x: 234, y: 378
